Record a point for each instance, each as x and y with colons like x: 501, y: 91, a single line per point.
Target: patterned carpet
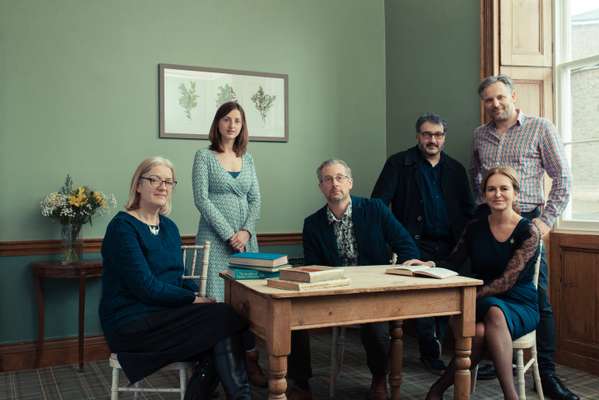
x: 66, y: 383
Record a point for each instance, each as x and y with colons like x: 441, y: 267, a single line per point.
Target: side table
x: 81, y: 270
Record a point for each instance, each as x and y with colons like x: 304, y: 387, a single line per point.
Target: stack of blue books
x: 257, y: 265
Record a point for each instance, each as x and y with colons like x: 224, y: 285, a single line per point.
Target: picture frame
x: 189, y: 97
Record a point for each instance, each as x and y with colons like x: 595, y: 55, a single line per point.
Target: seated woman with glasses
x: 503, y: 248
x: 152, y: 317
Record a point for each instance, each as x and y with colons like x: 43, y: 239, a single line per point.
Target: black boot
x: 229, y: 364
x: 554, y: 388
x: 203, y: 382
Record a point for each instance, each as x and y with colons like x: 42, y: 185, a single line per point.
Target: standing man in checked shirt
x: 532, y: 147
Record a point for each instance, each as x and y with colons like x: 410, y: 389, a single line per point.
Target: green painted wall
x: 79, y: 94
x: 432, y: 65
x: 18, y: 310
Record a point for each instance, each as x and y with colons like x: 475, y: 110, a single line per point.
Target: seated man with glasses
x: 348, y: 231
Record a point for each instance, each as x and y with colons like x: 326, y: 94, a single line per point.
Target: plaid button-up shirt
x: 532, y: 146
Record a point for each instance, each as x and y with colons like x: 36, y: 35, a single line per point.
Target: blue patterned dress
x: 227, y: 204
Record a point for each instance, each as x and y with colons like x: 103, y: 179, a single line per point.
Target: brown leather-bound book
x: 312, y: 273
x: 301, y: 286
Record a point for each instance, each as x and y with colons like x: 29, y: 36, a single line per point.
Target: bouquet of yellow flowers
x: 74, y: 207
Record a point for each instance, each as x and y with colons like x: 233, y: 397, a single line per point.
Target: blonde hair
x: 509, y: 173
x: 144, y: 167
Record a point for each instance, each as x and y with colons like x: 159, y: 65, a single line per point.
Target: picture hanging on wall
x: 190, y: 96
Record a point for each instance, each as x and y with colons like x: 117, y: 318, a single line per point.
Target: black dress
x: 146, y: 308
x: 507, y: 269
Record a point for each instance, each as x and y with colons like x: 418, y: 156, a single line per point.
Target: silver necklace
x: 154, y: 229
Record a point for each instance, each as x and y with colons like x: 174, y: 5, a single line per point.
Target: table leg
x: 396, y: 357
x: 39, y: 296
x: 463, y: 332
x: 277, y: 384
x: 81, y: 317
x: 461, y: 390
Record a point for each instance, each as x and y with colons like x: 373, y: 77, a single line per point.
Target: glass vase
x: 72, y: 247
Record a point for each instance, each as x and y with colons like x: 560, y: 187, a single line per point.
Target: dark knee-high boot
x: 230, y: 366
x: 203, y: 382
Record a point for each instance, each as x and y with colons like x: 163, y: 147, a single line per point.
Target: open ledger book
x: 421, y: 270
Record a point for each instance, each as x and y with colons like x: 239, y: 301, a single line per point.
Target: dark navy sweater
x: 142, y: 271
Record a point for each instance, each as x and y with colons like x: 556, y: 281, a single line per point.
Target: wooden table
x: 81, y: 270
x: 372, y: 297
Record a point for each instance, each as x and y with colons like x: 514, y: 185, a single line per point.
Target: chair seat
x: 176, y: 366
x: 526, y: 341
x: 182, y: 368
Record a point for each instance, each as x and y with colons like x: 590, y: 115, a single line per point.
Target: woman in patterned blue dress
x: 226, y: 192
x: 227, y: 195
x: 503, y: 249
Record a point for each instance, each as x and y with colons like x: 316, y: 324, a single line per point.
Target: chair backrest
x: 535, y: 278
x: 190, y: 261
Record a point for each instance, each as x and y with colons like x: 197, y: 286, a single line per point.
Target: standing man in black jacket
x: 429, y: 194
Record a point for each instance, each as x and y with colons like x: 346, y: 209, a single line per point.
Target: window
x: 577, y: 83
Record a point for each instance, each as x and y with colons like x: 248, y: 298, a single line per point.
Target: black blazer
x: 375, y: 228
x: 398, y: 185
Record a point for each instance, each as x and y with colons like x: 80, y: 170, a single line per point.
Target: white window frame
x: 562, y: 70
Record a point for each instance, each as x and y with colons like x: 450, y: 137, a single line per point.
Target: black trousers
x: 546, y: 327
x: 431, y: 330
x: 375, y: 339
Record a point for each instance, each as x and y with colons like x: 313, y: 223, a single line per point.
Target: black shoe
x: 553, y: 388
x: 486, y: 372
x: 434, y: 365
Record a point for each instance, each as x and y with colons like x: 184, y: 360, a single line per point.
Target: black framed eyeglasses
x: 436, y: 135
x: 156, y: 181
x: 337, y: 178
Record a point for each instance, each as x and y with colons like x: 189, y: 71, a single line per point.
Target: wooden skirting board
x: 19, y: 356
x: 42, y: 247
x: 574, y: 283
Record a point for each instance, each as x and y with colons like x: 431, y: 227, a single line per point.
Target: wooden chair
x: 190, y: 267
x: 182, y: 367
x: 338, y: 347
x: 190, y: 256
x: 528, y: 341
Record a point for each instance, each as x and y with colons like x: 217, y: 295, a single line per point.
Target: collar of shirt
x: 519, y: 121
x: 422, y: 159
x: 344, y: 219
